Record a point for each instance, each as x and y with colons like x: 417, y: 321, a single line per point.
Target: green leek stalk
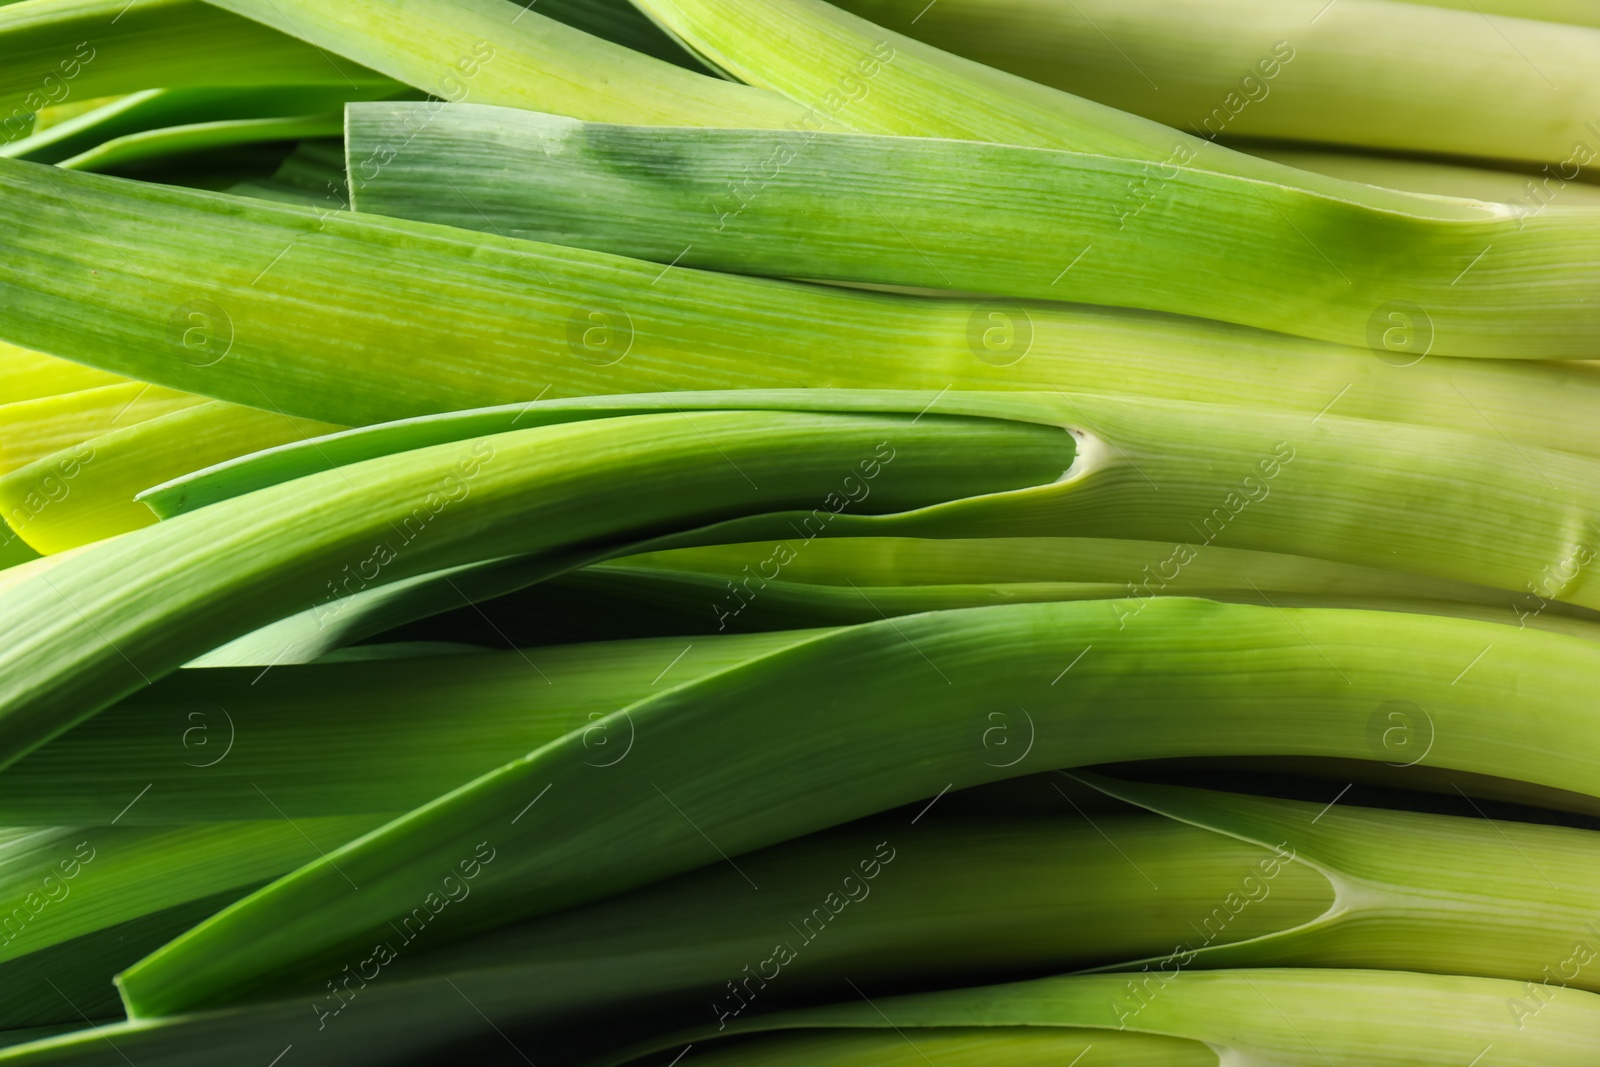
x: 862, y: 720
x: 854, y: 75
x: 97, y: 631
x: 1481, y: 280
x: 312, y: 176
x: 1156, y: 471
x: 1348, y: 74
x: 410, y: 317
x: 1296, y: 1018
x: 174, y: 144
x: 13, y: 549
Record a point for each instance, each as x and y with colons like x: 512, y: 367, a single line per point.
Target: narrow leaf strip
x: 1190, y: 473
x: 858, y: 76
x: 153, y: 109
x: 1523, y: 192
x: 178, y: 141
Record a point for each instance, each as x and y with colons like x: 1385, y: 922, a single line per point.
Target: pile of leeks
x: 984, y: 533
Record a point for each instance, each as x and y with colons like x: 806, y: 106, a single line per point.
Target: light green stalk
x: 877, y: 716
x: 1188, y: 475
x: 1524, y: 191
x: 624, y: 598
x: 1404, y: 884
x: 33, y: 429
x: 952, y: 901
x: 1295, y: 70
x: 1294, y: 1018
x: 85, y: 491
x: 28, y: 375
x: 352, y: 319
x: 1067, y: 226
x: 855, y: 75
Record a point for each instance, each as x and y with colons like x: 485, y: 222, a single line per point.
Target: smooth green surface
x: 605, y: 600
x: 1014, y: 222
x: 855, y: 75
x: 1461, y: 507
x: 957, y: 1047
x: 1412, y: 892
x: 29, y: 375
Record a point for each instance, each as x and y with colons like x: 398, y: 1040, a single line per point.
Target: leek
x: 1269, y: 256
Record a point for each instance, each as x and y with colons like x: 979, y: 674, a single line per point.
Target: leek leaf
x: 930, y: 213
x: 352, y: 319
